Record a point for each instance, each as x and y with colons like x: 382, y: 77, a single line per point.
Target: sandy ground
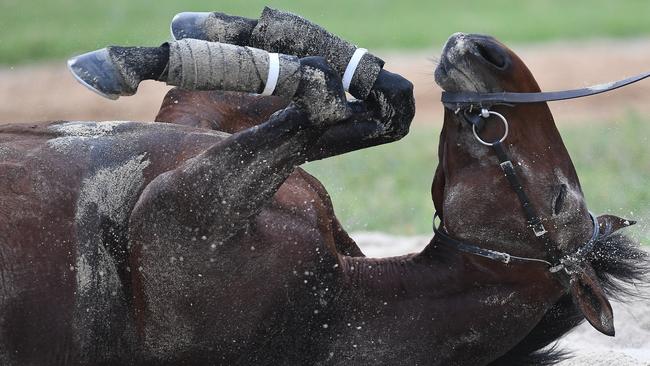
x: 631, y: 346
x: 48, y: 91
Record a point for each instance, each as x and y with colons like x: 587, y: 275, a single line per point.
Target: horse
x: 469, y: 188
x: 166, y: 244
x: 485, y: 65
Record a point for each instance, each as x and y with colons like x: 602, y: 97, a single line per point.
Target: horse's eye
x: 559, y: 199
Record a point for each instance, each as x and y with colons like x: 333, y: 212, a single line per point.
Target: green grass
x: 46, y: 29
x: 387, y: 188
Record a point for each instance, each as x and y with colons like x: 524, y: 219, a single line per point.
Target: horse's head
x: 473, y: 196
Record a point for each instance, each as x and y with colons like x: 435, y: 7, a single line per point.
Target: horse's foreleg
x: 218, y: 190
x: 284, y: 32
x: 388, y: 106
x: 191, y: 64
x: 384, y: 117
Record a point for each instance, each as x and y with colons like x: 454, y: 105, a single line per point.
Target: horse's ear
x: 610, y: 224
x: 590, y: 298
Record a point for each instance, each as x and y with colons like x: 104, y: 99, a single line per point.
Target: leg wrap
x: 202, y: 65
x: 279, y: 31
x: 229, y: 29
x: 283, y: 32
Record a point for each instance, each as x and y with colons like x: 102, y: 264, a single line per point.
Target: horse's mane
x: 620, y: 265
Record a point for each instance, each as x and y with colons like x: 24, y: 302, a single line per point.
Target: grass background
x: 387, y: 188
x: 384, y: 188
x: 44, y: 29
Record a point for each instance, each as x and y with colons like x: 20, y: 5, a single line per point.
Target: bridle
x: 570, y: 263
x: 474, y: 108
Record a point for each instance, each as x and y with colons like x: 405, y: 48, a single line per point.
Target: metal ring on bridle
x: 505, y: 134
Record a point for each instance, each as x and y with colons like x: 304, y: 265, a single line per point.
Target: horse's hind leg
x: 218, y: 110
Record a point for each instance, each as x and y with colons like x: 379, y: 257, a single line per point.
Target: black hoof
x: 189, y: 25
x: 97, y: 71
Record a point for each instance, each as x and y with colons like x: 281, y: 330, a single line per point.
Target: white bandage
x: 274, y: 73
x: 352, y: 67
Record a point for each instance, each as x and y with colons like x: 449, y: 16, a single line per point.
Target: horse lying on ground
x: 162, y: 244
x: 615, y: 260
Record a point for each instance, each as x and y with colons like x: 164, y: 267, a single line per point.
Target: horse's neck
x: 405, y: 276
x: 439, y: 298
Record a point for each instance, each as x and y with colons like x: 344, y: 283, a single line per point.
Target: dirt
x: 630, y: 347
x: 49, y: 92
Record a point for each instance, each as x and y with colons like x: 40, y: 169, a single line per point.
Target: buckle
x: 539, y: 229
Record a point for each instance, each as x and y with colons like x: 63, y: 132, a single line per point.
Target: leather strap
x: 455, y: 100
x: 567, y: 263
x: 441, y: 236
x: 532, y: 218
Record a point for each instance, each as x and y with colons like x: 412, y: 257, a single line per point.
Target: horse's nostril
x: 492, y: 54
x: 559, y: 199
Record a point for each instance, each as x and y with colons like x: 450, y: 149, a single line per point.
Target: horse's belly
x: 236, y: 298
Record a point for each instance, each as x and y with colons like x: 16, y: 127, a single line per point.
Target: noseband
x: 474, y: 108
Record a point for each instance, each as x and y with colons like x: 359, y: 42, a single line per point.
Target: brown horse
x: 478, y: 63
x: 131, y: 243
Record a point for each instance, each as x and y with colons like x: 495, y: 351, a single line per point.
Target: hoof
x: 97, y: 71
x: 189, y: 25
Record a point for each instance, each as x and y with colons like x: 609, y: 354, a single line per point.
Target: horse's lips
x: 446, y: 81
x: 440, y: 73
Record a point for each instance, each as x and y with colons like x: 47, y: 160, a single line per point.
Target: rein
x: 470, y: 102
x: 463, y: 100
